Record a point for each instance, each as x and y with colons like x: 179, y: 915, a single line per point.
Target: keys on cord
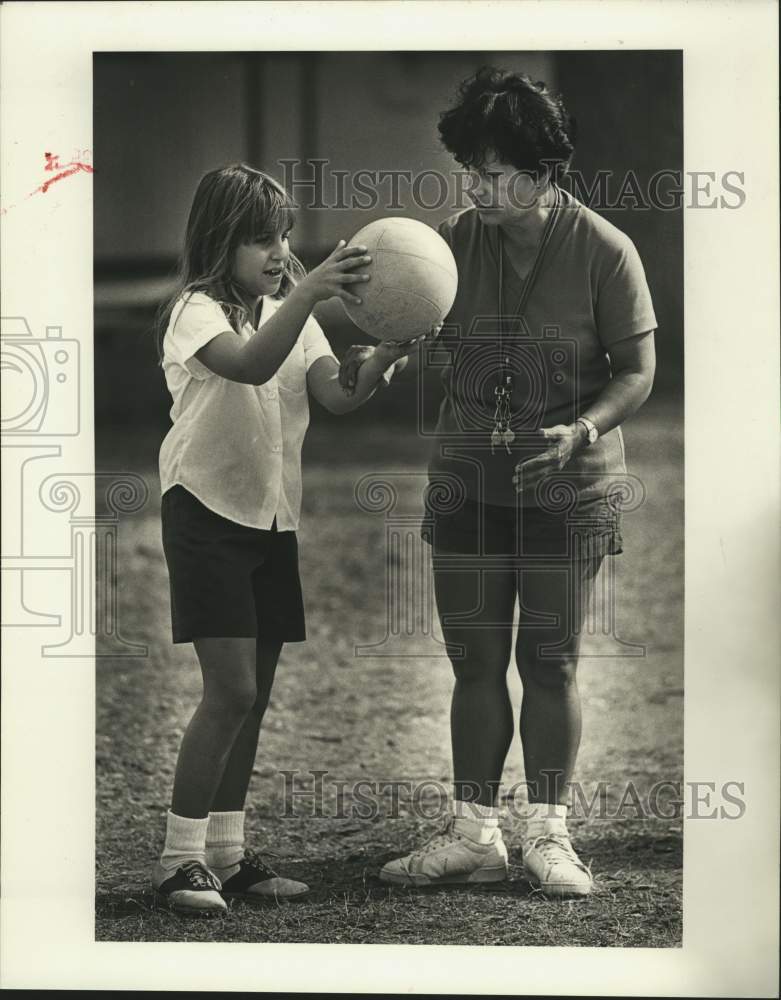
x: 502, y: 433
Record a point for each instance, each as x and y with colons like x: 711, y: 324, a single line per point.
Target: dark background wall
x: 629, y: 110
x: 161, y: 120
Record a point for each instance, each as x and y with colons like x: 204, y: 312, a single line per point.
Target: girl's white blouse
x: 236, y: 447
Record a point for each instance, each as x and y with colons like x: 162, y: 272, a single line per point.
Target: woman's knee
x: 552, y: 670
x: 482, y: 665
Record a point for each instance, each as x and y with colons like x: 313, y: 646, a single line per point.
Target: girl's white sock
x: 185, y: 840
x: 476, y: 822
x: 544, y: 817
x: 225, y: 839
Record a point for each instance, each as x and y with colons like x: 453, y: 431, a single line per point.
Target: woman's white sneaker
x: 551, y: 864
x: 450, y: 858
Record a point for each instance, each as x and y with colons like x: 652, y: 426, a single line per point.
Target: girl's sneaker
x: 552, y: 865
x: 449, y: 858
x: 251, y: 878
x: 190, y: 889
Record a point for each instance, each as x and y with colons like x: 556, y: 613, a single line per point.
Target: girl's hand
x: 564, y: 441
x: 388, y: 357
x: 330, y: 278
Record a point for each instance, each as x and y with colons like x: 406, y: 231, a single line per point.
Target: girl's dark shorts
x: 228, y: 580
x: 475, y: 529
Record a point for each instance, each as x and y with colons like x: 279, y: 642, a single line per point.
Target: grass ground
x: 387, y: 718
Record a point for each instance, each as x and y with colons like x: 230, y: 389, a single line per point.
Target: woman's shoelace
x: 550, y: 844
x: 440, y: 839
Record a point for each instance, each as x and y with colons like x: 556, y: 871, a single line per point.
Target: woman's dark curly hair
x: 508, y: 115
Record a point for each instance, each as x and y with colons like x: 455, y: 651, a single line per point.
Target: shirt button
x: 276, y: 448
x: 272, y: 395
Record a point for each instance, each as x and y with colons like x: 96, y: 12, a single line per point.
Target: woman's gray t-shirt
x: 589, y: 292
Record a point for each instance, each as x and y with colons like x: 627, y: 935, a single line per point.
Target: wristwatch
x: 591, y: 429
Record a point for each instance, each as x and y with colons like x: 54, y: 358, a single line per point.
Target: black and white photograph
x: 443, y: 586
x: 400, y: 545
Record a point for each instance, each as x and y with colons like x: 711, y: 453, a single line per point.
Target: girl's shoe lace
x: 254, y: 860
x: 199, y: 876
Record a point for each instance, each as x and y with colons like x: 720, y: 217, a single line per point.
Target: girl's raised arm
x: 257, y: 360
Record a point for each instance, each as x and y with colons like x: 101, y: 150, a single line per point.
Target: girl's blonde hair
x: 233, y: 205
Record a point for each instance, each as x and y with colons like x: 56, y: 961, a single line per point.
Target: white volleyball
x: 413, y: 279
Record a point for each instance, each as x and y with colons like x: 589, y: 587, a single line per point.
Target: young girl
x: 239, y: 353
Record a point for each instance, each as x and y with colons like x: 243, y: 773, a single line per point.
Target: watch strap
x: 591, y: 429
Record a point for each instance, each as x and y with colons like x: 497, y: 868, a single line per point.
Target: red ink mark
x: 52, y: 163
x: 72, y: 168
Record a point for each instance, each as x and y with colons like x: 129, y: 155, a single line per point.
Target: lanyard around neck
x: 502, y: 433
x: 531, y: 276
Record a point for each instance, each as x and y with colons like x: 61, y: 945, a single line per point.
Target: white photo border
x: 730, y: 938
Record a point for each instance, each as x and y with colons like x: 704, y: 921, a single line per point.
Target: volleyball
x: 413, y: 279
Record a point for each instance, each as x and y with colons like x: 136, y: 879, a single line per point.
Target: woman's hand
x: 390, y: 356
x: 386, y: 358
x: 351, y: 362
x: 329, y: 278
x: 564, y: 441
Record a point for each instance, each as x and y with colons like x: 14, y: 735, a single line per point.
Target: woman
x: 551, y: 344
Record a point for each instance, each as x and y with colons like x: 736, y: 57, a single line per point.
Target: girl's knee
x: 236, y: 700
x: 229, y: 675
x: 260, y: 704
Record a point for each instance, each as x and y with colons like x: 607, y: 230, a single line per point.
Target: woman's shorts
x: 228, y: 580
x: 591, y: 531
